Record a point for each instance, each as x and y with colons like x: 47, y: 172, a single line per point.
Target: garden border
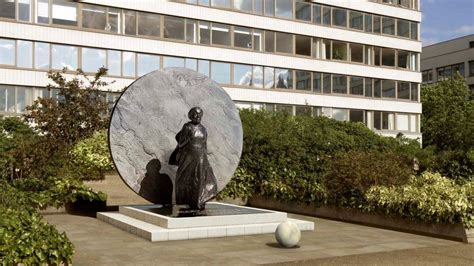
x: 455, y: 232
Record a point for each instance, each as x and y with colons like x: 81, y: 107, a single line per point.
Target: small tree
x: 77, y: 112
x: 448, y: 125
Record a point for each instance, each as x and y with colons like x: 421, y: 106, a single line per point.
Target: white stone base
x: 145, y: 224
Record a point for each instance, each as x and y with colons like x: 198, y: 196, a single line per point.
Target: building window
x: 258, y: 40
x: 24, y: 10
x: 258, y: 7
x: 414, y: 30
x: 339, y: 17
x: 339, y: 84
x: 149, y: 25
x: 388, y: 57
x: 339, y: 50
x: 42, y: 55
x: 147, y: 63
x: 303, y: 110
x: 403, y: 28
x: 191, y: 63
x: 114, y: 20
x: 220, y: 34
x: 284, y: 43
x: 93, y: 59
x: 471, y: 44
x: 220, y: 3
x: 243, y: 5
x: 377, y: 88
x: 340, y: 114
x: 303, y: 45
x: 128, y: 64
x: 388, y: 121
x: 357, y: 86
x: 317, y: 14
x: 242, y: 75
x: 402, y: 122
x: 7, y: 52
x: 368, y: 88
x: 269, y: 41
x: 94, y: 17
x: 317, y: 86
x: 356, y: 116
x: 303, y: 80
x: 414, y: 92
x: 114, y: 59
x: 220, y: 72
x: 130, y: 18
x: 269, y: 8
x: 7, y: 9
x: 283, y: 78
x: 191, y: 31
x: 243, y: 37
x: 403, y: 90
x: 173, y: 28
x: 284, y: 9
x: 303, y: 11
x: 447, y: 72
x: 7, y: 99
x: 204, y: 32
x: 204, y: 67
x: 326, y: 16
x: 388, y: 89
x: 269, y: 77
x: 471, y: 68
x: 356, y: 20
x: 427, y: 76
x: 377, y: 24
x: 388, y: 26
x: 327, y: 83
x: 257, y: 77
x: 64, y: 56
x: 357, y: 52
x: 171, y: 61
x: 368, y: 23
x: 64, y: 13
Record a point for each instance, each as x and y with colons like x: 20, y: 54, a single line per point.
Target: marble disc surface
x: 148, y: 115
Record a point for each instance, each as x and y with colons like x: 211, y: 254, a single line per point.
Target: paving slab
x: 332, y: 242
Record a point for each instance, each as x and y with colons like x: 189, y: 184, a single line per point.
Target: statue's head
x: 195, y: 115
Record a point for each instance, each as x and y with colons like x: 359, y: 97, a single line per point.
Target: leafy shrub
x: 25, y: 238
x: 92, y: 155
x: 429, y: 197
x: 351, y: 174
x: 240, y: 186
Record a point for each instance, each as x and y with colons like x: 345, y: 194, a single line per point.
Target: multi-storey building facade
x: 349, y: 60
x: 443, y: 60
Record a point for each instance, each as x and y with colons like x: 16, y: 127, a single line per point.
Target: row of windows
x: 411, y: 4
x: 377, y: 120
x: 318, y: 14
x: 447, y: 72
x: 217, y: 34
x: 14, y: 99
x: 45, y: 56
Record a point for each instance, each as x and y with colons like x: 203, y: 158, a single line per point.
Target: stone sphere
x: 149, y: 114
x: 288, y: 234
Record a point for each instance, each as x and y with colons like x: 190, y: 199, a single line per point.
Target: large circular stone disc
x: 148, y: 115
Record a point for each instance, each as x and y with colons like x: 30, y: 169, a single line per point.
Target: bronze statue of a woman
x: 195, y: 181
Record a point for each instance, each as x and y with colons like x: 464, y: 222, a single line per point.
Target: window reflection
x: 128, y: 64
x: 169, y: 61
x: 92, y: 59
x: 220, y: 72
x: 64, y: 13
x: 242, y: 75
x: 257, y: 77
x: 114, y: 59
x: 147, y: 63
x: 7, y: 52
x: 41, y: 55
x: 173, y: 28
x: 24, y: 10
x: 94, y: 17
x: 283, y: 78
x: 64, y: 56
x: 269, y: 78
x: 7, y: 9
x: 220, y: 34
x: 149, y: 24
x: 25, y: 54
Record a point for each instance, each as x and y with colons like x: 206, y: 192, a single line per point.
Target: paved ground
x: 332, y: 243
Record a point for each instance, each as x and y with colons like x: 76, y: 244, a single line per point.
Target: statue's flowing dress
x: 195, y: 180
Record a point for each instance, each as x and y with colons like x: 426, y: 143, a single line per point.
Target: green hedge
x: 429, y: 197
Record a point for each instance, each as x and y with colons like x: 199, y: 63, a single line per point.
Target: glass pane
x: 414, y: 30
x: 258, y: 40
x: 114, y: 20
x: 7, y: 52
x: 283, y: 78
x: 130, y: 22
x: 25, y: 54
x: 356, y: 20
x: 340, y: 114
x: 169, y: 61
x: 403, y: 57
x: 24, y: 10
x: 94, y: 17
x: 377, y: 26
x: 303, y: 80
x: 388, y: 89
x: 303, y: 110
x: 377, y: 88
x: 42, y: 11
x: 7, y: 9
x: 357, y: 52
x: 284, y: 9
x: 303, y: 11
x: 64, y: 56
x: 114, y: 62
x: 220, y: 3
x: 269, y: 8
x: 388, y: 57
x: 403, y: 28
x: 326, y: 15
x: 414, y: 92
x: 3, y: 98
x: 326, y: 83
x: 377, y: 56
x: 368, y: 87
x: 190, y: 63
x: 203, y: 2
x: 357, y: 86
x: 41, y: 55
x: 339, y: 84
x: 243, y: 5
x: 388, y: 26
x: 356, y: 116
x: 283, y: 108
x: 339, y: 50
x: 403, y: 90
x: 11, y: 102
x: 317, y: 14
x: 220, y: 34
x: 257, y: 78
x: 269, y: 77
x: 284, y: 43
x: 377, y: 120
x: 413, y: 123
x: 269, y: 41
x: 388, y: 121
x: 339, y: 17
x: 128, y: 64
x: 258, y: 7
x: 191, y: 31
x: 203, y: 67
x: 92, y: 59
x: 220, y: 72
x: 242, y: 75
x: 317, y: 86
x: 64, y: 12
x: 21, y: 98
x: 147, y: 63
x: 243, y: 37
x: 303, y: 45
x: 204, y: 32
x: 149, y: 25
x: 174, y: 28
x: 368, y: 22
